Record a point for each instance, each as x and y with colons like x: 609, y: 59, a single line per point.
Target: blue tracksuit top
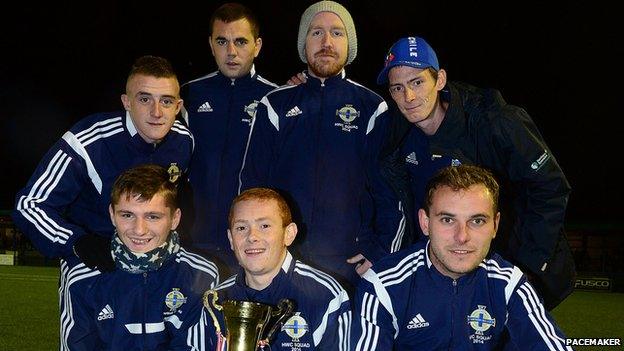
x: 321, y: 317
x: 404, y: 303
x: 118, y: 310
x: 318, y: 142
x: 69, y: 193
x: 218, y: 111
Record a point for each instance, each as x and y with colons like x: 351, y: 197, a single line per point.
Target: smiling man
x: 154, y: 296
x: 219, y: 108
x: 438, y: 123
x: 261, y: 229
x: 64, y: 207
x: 450, y: 292
x: 317, y: 141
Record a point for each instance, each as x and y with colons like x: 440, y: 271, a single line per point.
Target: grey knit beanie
x: 340, y: 11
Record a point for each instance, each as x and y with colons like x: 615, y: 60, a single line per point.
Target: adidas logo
x: 106, y: 313
x: 417, y: 322
x: 205, y: 107
x: 411, y: 158
x: 294, y: 112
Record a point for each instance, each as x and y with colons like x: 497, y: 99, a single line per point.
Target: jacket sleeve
x: 338, y: 317
x: 372, y: 328
x: 530, y: 326
x: 260, y: 150
x: 40, y: 206
x: 540, y: 183
x: 384, y: 223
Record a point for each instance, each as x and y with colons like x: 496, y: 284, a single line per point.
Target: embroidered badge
x: 174, y: 299
x: 174, y: 172
x: 347, y: 114
x: 480, y: 321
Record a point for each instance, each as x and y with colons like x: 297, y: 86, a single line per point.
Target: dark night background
x: 61, y: 63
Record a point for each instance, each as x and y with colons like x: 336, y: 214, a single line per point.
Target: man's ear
x: 229, y: 234
x: 441, y: 82
x: 125, y: 101
x: 177, y: 214
x: 496, y: 222
x: 423, y: 220
x: 290, y: 234
x: 258, y: 47
x: 211, y: 48
x: 111, y: 213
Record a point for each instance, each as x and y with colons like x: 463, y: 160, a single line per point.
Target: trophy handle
x: 210, y: 300
x: 284, y: 310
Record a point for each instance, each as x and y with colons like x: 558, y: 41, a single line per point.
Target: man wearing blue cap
x: 451, y: 123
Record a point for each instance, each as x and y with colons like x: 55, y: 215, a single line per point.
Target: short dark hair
x: 232, y: 11
x: 144, y: 182
x: 461, y: 178
x: 263, y: 194
x: 153, y: 66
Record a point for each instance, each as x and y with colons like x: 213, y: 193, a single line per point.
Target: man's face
x: 153, y: 104
x: 143, y: 225
x: 234, y: 47
x: 415, y: 91
x: 326, y: 45
x: 461, y: 225
x: 258, y: 237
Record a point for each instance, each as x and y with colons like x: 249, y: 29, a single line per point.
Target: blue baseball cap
x: 411, y: 51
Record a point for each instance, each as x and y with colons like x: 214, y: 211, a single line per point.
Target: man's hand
x: 362, y: 263
x: 95, y: 252
x: 297, y: 79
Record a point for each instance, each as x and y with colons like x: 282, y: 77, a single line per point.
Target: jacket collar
x: 328, y: 82
x: 246, y: 79
x: 136, y: 138
x: 288, y: 266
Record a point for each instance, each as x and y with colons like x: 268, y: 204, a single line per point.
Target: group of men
x: 305, y: 192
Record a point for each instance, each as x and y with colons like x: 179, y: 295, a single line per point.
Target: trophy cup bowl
x: 246, y: 321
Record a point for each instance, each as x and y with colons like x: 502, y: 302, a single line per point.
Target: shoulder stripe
x: 540, y: 321
x: 209, y: 75
x: 512, y: 283
x: 227, y: 283
x: 267, y: 82
x: 75, y: 144
x: 198, y: 262
x: 328, y: 281
x: 104, y: 125
x: 405, y: 268
x: 383, y: 107
x: 273, y: 117
x: 280, y: 88
x: 98, y: 131
x: 361, y: 86
x: 180, y: 128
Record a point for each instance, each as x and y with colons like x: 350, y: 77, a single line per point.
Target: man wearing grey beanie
x: 318, y: 142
